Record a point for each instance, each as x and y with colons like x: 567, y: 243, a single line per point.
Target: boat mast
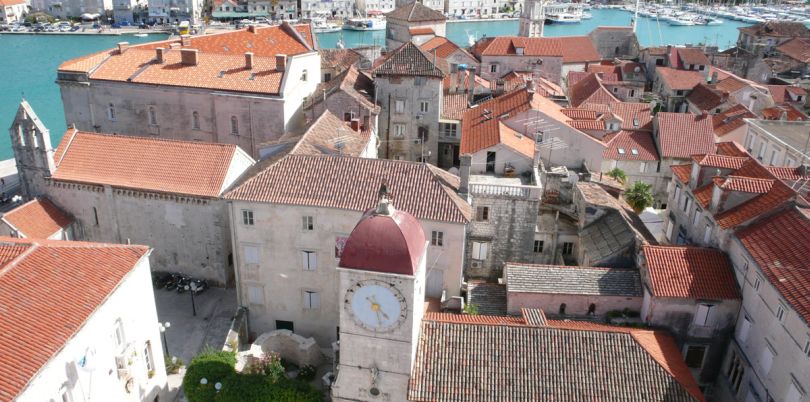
x: 635, y: 17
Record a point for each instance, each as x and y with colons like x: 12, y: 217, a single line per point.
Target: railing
x: 530, y: 192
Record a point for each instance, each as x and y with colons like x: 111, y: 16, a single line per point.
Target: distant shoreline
x: 86, y: 33
x: 484, y: 20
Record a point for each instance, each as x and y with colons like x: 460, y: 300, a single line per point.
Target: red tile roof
x: 581, y: 114
x: 788, y: 112
x: 779, y: 93
x: 720, y: 161
x: 731, y: 148
x: 629, y: 112
x: 507, y: 45
x: 421, y: 31
x: 679, y: 79
x: 704, y: 97
x: 747, y: 184
x: 454, y: 105
x: 481, y: 130
x: 780, y: 245
x: 703, y: 195
x: 693, y: 55
x: 775, y: 28
x: 681, y: 135
x: 48, y: 290
x: 589, y: 90
x: 329, y: 135
x: 635, y: 146
x: 141, y: 163
x: 731, y: 119
x: 682, y: 172
x: 731, y: 83
x: 689, y: 272
x: 37, y: 218
x: 8, y: 3
x: 343, y: 182
x: 415, y: 12
x: 407, y: 59
x: 578, y: 49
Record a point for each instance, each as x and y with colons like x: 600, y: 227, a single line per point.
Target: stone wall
x: 575, y: 305
x: 615, y: 43
x: 289, y: 346
x: 409, y: 147
x: 550, y: 68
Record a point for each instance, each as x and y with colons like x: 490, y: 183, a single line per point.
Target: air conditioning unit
x: 475, y: 264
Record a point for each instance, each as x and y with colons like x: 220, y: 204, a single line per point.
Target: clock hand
x: 379, y: 320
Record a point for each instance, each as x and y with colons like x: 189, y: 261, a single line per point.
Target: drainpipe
x: 237, y: 279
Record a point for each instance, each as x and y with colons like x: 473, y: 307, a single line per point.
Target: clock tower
x: 382, y: 293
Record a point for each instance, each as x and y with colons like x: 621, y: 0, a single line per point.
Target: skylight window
x: 621, y: 151
x: 634, y: 151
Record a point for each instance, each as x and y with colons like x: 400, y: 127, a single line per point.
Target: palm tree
x: 618, y: 175
x: 639, y: 196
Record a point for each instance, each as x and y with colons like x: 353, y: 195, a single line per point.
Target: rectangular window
x: 686, y: 204
x: 766, y: 358
x: 255, y: 295
x: 399, y: 130
x: 735, y: 372
x: 493, y: 68
x: 247, y: 217
x: 642, y: 167
x: 399, y: 106
x: 118, y: 335
x: 538, y: 246
x: 745, y: 327
x: 698, y: 214
x: 448, y: 129
x: 780, y: 312
x: 152, y: 116
x: 327, y: 77
x: 424, y: 106
x: 309, y: 260
x: 479, y: 250
x: 251, y: 254
x: 707, y: 233
x: 437, y: 238
x: 568, y: 248
x: 304, y: 75
x: 757, y: 282
x: 312, y: 300
x: 482, y: 214
x: 695, y: 355
x: 307, y: 223
x: 147, y: 357
x: 703, y: 315
x: 773, y: 158
x: 807, y: 348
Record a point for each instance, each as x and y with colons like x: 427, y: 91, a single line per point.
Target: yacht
x: 321, y: 25
x: 365, y: 24
x: 563, y: 13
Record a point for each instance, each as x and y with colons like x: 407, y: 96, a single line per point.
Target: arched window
x: 195, y: 121
x: 111, y: 112
x: 234, y: 125
x: 562, y: 309
x: 152, y: 116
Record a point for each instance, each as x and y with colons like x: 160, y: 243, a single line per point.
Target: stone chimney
x: 355, y: 124
x: 714, y: 78
x: 530, y: 84
x: 252, y: 28
x: 281, y: 62
x: 464, y: 172
x: 122, y: 47
x: 185, y: 40
x: 783, y: 116
x: 188, y: 57
x: 159, y: 52
x: 249, y: 60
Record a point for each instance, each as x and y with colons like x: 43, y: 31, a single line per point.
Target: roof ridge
x: 155, y: 139
x: 16, y: 260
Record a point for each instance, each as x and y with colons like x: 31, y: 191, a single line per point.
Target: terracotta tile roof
x: 679, y: 79
x: 589, y: 90
x: 682, y: 172
x: 350, y: 183
x: 631, y: 146
x: 703, y: 194
x: 682, y: 135
x: 415, y: 12
x: 689, y: 272
x: 265, y: 41
x: 454, y: 105
x: 507, y: 45
x: 692, y: 55
x: 778, y: 195
x: 656, y: 51
x: 351, y: 82
x: 37, y: 218
x: 731, y: 148
x: 705, y: 97
x: 731, y: 119
x: 780, y: 245
x: 151, y: 164
x: 340, y: 59
x: 48, y: 290
x: 480, y: 130
x: 629, y: 112
x: 85, y: 64
x: 576, y: 76
x: 797, y: 49
x: 552, y: 361
x: 777, y: 29
x: 779, y: 93
x: 474, y: 319
x: 547, y: 89
x: 786, y: 173
x: 488, y: 297
x: 592, y: 125
x: 516, y: 141
x: 604, y: 69
x: 421, y: 31
x: 721, y: 161
x: 788, y: 112
x: 747, y: 184
x: 7, y: 3
x: 329, y: 135
x: 731, y: 83
x: 581, y: 114
x: 407, y: 59
x: 578, y: 49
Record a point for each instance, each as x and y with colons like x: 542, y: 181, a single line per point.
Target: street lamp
x: 192, y: 287
x: 203, y: 381
x: 163, y: 326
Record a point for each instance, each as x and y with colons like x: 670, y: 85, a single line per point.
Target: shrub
x: 618, y: 175
x: 173, y: 364
x: 259, y: 388
x: 214, y: 367
x: 307, y: 373
x: 470, y: 309
x: 270, y: 366
x: 639, y: 196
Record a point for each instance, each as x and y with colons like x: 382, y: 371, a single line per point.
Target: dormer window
x: 621, y: 151
x: 634, y: 151
x: 519, y: 51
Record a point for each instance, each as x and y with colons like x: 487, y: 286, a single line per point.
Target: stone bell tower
x: 33, y: 153
x: 532, y: 19
x: 382, y: 293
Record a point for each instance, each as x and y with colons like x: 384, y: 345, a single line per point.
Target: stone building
x: 673, y: 86
x: 730, y: 125
x: 777, y: 143
x: 335, y: 61
x: 139, y: 190
x: 615, y: 42
x: 37, y: 219
x: 13, y: 11
x: 678, y: 136
x: 240, y: 87
x: 74, y: 8
x: 413, y: 18
x: 106, y: 345
x: 692, y: 292
x: 290, y: 223
x: 350, y: 96
x: 409, y: 91
x: 168, y: 11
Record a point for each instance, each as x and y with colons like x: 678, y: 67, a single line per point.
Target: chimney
x: 185, y: 40
x: 464, y: 186
x: 174, y: 45
x: 188, y: 57
x: 714, y: 78
x: 122, y: 47
x: 249, y: 60
x: 530, y: 84
x: 159, y: 54
x: 281, y: 62
x: 784, y: 115
x: 252, y: 28
x: 355, y: 124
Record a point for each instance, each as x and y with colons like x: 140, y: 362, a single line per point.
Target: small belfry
x: 382, y: 275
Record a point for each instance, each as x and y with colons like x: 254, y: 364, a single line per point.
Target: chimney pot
x: 188, y: 57
x: 355, y: 124
x: 249, y: 60
x: 185, y: 40
x: 159, y: 53
x: 281, y: 62
x: 122, y: 47
x: 252, y: 28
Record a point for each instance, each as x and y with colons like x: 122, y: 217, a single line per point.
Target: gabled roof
x: 679, y: 79
x: 408, y: 59
x: 538, y: 358
x: 692, y: 55
x: 797, y: 49
x: 731, y: 119
x: 351, y: 82
x: 329, y: 135
x: 628, y: 112
x: 444, y: 47
x: 142, y: 163
x: 454, y: 105
x: 689, y: 272
x: 578, y: 49
x: 631, y: 146
x: 780, y: 245
x: 783, y: 112
x: 37, y: 219
x: 704, y: 97
x: 681, y: 135
x: 340, y: 59
x: 779, y: 93
x: 589, y: 90
x: 8, y: 3
x: 572, y: 280
x: 416, y: 31
x: 777, y: 29
x: 516, y: 141
x: 508, y: 45
x: 415, y: 12
x: 343, y: 182
x: 480, y: 130
x: 48, y: 290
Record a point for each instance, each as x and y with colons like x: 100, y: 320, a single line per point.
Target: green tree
x: 618, y: 175
x: 639, y: 196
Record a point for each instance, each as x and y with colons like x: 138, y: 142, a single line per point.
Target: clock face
x: 376, y: 305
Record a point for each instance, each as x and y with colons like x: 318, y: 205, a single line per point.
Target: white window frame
x: 744, y: 329
x: 480, y: 250
x: 309, y: 260
x: 493, y: 68
x: 251, y: 254
x: 311, y: 299
x: 307, y: 223
x: 703, y: 315
x: 247, y: 217
x: 255, y: 295
x: 399, y: 130
x: 781, y: 312
x: 399, y: 106
x: 119, y: 335
x: 437, y: 238
x: 766, y: 358
x: 424, y: 106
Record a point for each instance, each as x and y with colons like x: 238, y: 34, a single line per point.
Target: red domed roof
x: 391, y: 243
